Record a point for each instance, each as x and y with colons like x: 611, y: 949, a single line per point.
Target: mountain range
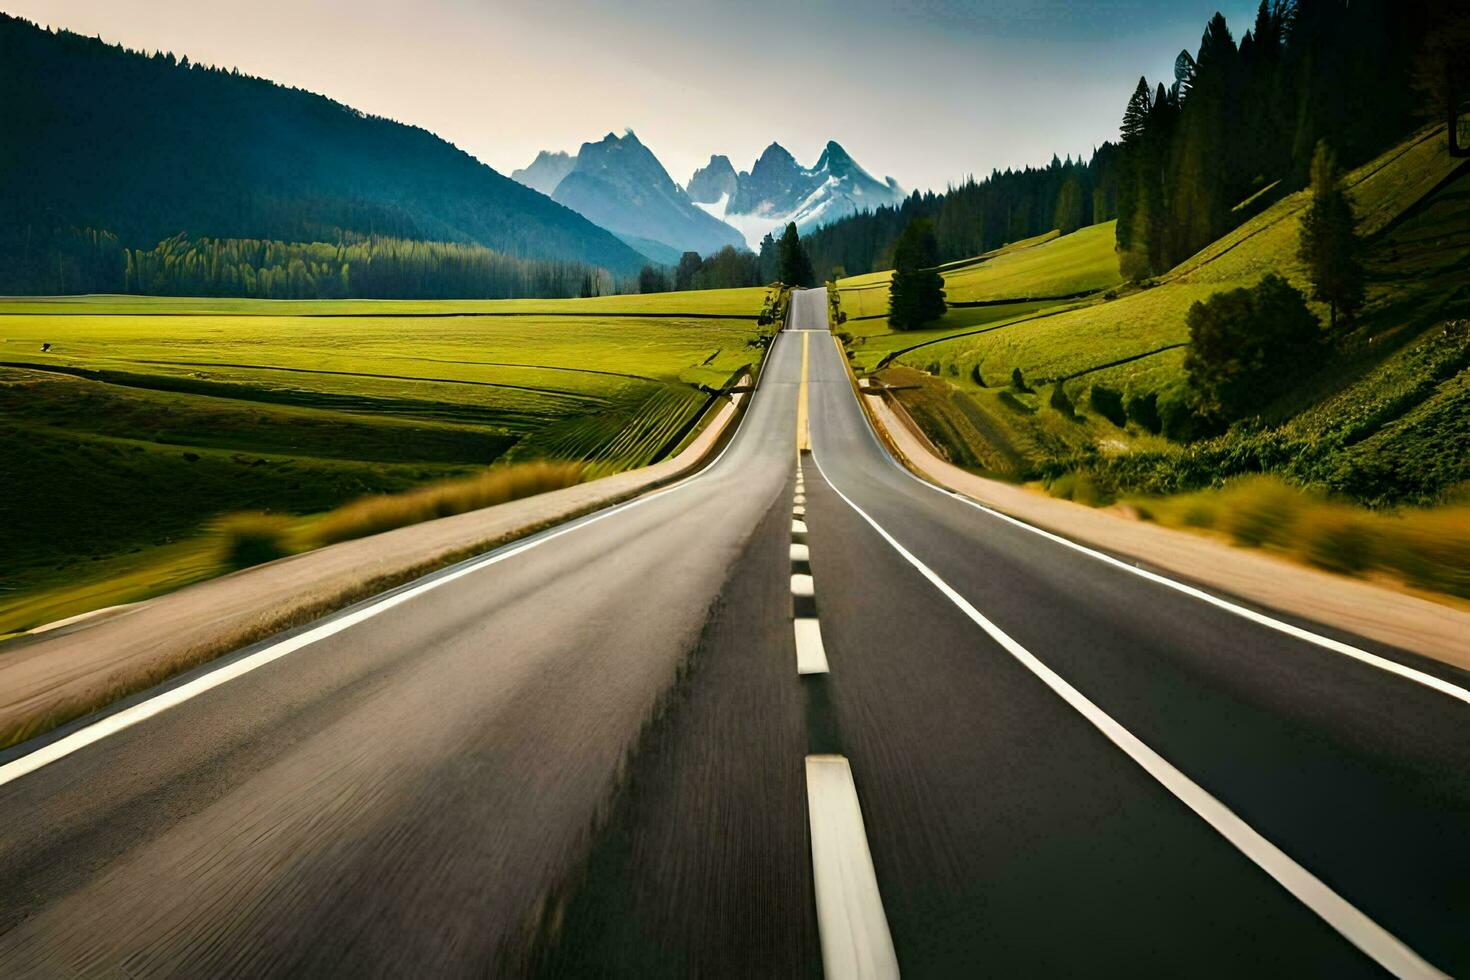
x: 619, y: 184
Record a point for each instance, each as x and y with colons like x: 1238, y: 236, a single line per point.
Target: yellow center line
x: 803, y: 441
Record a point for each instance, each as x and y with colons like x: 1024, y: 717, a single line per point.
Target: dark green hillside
x: 144, y: 147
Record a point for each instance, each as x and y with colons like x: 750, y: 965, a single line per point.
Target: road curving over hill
x: 800, y: 711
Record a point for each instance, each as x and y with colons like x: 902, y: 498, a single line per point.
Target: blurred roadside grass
x: 242, y: 540
x: 253, y: 538
x: 1426, y: 548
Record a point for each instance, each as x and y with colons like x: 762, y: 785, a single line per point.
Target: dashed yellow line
x: 803, y: 435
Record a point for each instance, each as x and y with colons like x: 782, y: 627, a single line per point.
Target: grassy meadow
x: 146, y: 420
x: 1413, y: 204
x: 1384, y: 423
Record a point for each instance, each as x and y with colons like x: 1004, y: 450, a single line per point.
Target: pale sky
x: 925, y: 91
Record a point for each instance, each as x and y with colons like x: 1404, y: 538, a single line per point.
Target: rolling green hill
x: 149, y: 418
x: 1413, y: 203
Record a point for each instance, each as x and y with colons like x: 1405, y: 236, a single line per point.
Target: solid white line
x: 1378, y: 943
x: 802, y: 585
x: 811, y: 655
x: 850, y: 918
x: 1337, y: 646
x: 130, y: 716
x: 1261, y: 619
x: 800, y: 552
x: 798, y: 527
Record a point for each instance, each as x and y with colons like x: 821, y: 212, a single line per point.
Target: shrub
x: 976, y: 376
x: 1109, y: 404
x: 1247, y: 345
x: 1261, y: 510
x: 1018, y: 381
x: 1143, y: 409
x: 1009, y: 400
x: 253, y: 538
x: 1179, y: 420
x: 1080, y: 487
x: 1335, y: 538
x: 1059, y: 400
x: 497, y: 485
x: 953, y: 369
x: 1430, y: 548
x: 1200, y: 514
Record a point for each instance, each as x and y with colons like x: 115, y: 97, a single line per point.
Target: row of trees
x: 785, y: 260
x: 88, y: 261
x: 976, y: 216
x: 1238, y: 118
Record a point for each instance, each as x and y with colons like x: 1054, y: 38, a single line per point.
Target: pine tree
x: 795, y: 267
x: 1329, y: 243
x: 916, y: 296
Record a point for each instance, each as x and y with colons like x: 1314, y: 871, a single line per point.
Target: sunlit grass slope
x: 148, y: 418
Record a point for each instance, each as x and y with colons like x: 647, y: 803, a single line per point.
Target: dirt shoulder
x: 1396, y: 618
x: 63, y: 673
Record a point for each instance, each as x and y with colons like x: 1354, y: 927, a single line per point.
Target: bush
x: 1261, y: 510
x: 1080, y: 487
x: 1109, y: 404
x: 1059, y: 400
x: 497, y: 485
x: 1246, y: 346
x: 1143, y: 410
x: 1018, y: 381
x: 253, y: 538
x: 1336, y: 538
x: 1009, y: 400
x: 1179, y: 420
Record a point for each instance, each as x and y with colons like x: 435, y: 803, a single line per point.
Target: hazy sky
x: 925, y: 90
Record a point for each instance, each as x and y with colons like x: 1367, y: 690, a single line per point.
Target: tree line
x: 976, y: 216
x: 1240, y: 122
x: 88, y: 261
x: 143, y: 146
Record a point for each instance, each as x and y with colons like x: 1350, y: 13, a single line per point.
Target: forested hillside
x: 102, y: 143
x: 1234, y: 131
x: 977, y: 216
x: 1240, y: 122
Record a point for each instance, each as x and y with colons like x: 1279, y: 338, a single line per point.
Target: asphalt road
x: 589, y: 757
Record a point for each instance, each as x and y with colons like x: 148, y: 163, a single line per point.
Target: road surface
x: 593, y: 753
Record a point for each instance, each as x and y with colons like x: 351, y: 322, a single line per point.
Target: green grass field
x: 148, y: 418
x: 1413, y: 204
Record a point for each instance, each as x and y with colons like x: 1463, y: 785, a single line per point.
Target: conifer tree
x: 1329, y: 243
x: 795, y: 265
x: 916, y: 296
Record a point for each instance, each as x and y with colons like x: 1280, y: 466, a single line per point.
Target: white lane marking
x: 128, y: 717
x: 811, y: 654
x: 801, y: 585
x: 800, y: 552
x: 798, y: 527
x: 798, y: 511
x: 1378, y: 943
x: 1297, y: 632
x: 799, y: 498
x: 1260, y: 619
x: 850, y: 917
